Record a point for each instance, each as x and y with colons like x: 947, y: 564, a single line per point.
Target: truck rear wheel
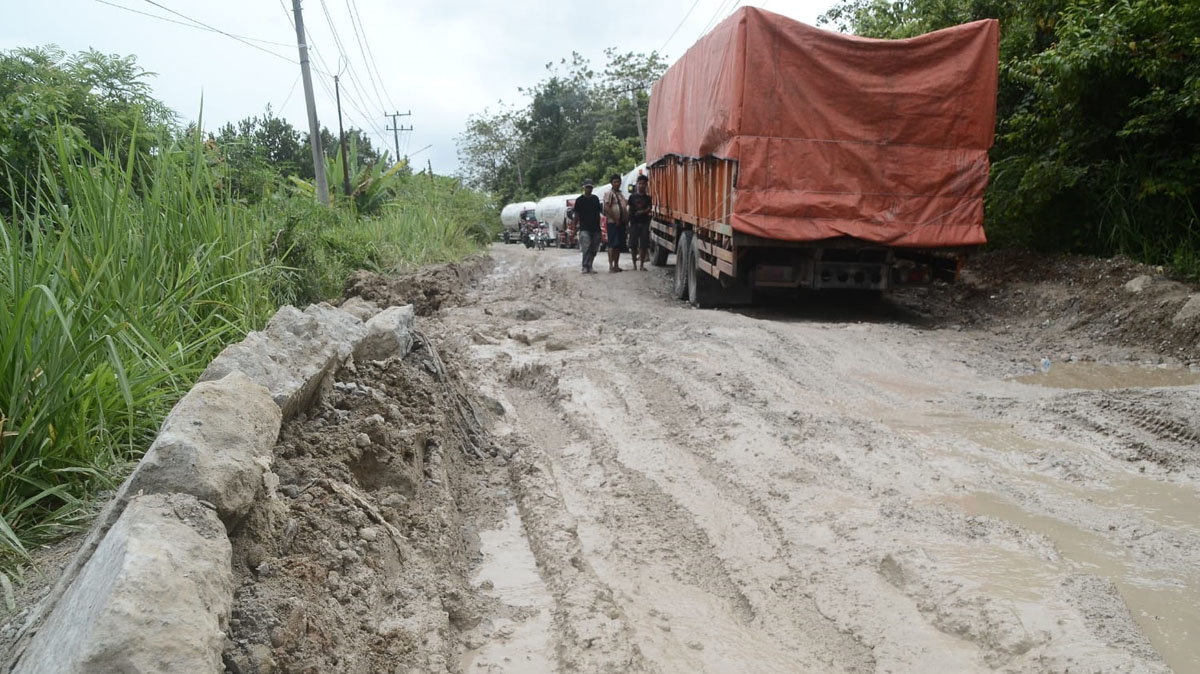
x: 707, y: 292
x: 701, y: 287
x: 658, y: 254
x: 683, y: 261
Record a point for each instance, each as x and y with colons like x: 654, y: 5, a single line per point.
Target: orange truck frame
x: 783, y: 157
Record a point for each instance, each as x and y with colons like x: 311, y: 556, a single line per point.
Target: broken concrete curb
x: 360, y: 308
x: 294, y: 354
x: 1190, y: 310
x: 215, y: 445
x: 154, y: 597
x: 388, y: 333
x: 148, y: 593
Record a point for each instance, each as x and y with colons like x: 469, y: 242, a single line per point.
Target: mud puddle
x: 517, y: 639
x: 1167, y: 610
x: 1104, y: 376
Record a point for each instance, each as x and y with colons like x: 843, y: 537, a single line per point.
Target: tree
x: 579, y: 123
x: 91, y: 98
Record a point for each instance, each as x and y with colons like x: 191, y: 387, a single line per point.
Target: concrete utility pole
x: 637, y: 113
x: 337, y: 93
x: 396, y: 129
x: 314, y: 127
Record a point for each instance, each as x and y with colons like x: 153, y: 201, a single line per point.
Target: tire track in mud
x: 832, y: 474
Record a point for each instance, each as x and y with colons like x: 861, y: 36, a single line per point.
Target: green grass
x: 120, y: 284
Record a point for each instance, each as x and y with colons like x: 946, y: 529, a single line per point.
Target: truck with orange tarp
x: 782, y: 156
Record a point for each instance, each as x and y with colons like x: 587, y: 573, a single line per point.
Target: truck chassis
x: 716, y: 266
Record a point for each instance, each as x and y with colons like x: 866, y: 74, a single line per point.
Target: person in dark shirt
x: 639, y: 222
x: 587, y: 209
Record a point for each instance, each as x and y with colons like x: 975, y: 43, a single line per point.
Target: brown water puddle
x: 1099, y: 376
x: 1165, y: 503
x: 513, y: 645
x: 1166, y: 609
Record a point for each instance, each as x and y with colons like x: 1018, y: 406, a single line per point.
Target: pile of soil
x: 427, y: 289
x: 1059, y: 302
x: 358, y: 560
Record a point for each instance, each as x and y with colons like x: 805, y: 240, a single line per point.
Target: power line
x: 716, y: 17
x: 214, y: 29
x: 202, y: 26
x: 289, y: 93
x: 355, y: 84
x: 371, y: 53
x: 362, y: 50
x: 685, y: 18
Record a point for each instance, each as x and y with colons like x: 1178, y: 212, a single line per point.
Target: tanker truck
x: 784, y: 157
x: 514, y: 217
x: 556, y: 213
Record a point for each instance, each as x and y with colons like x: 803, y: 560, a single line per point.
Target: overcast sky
x: 441, y: 59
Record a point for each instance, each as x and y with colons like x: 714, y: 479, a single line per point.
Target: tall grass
x: 429, y: 220
x: 116, y: 288
x: 121, y: 282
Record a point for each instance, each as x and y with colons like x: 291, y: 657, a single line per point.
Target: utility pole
x: 637, y: 113
x: 430, y: 165
x: 337, y: 93
x: 396, y: 129
x: 314, y: 127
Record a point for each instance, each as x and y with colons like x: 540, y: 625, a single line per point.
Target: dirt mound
x: 427, y: 289
x: 357, y: 561
x: 1058, y: 300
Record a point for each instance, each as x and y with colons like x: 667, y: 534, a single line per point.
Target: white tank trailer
x: 511, y: 217
x: 552, y: 212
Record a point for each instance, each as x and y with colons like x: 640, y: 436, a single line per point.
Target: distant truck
x: 781, y: 157
x: 515, y: 217
x: 557, y: 213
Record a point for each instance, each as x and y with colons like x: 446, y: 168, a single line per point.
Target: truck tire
x: 658, y: 254
x: 706, y: 292
x: 683, y: 261
x: 700, y: 286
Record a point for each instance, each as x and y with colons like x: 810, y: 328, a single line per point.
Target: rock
x: 526, y: 335
x: 359, y: 308
x: 294, y: 354
x: 556, y: 344
x: 1138, y: 283
x: 1190, y: 310
x: 216, y: 444
x: 368, y: 533
x: 527, y: 314
x: 362, y: 440
x: 478, y: 337
x: 152, y: 598
x: 388, y: 334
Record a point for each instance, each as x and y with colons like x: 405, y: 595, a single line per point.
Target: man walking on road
x: 639, y: 222
x: 587, y: 209
x: 617, y: 212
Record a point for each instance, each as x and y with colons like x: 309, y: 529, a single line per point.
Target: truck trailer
x: 515, y: 217
x: 782, y: 156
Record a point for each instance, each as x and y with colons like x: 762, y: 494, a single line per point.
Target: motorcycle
x: 529, y: 234
x: 543, y: 237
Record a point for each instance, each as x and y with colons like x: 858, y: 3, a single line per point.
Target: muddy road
x: 828, y: 486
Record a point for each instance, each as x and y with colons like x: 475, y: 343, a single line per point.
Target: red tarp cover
x: 882, y: 140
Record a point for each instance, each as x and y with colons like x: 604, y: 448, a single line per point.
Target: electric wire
x: 290, y: 92
x: 716, y: 17
x: 371, y: 53
x: 353, y: 82
x: 681, y: 22
x: 363, y: 51
x: 201, y: 26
